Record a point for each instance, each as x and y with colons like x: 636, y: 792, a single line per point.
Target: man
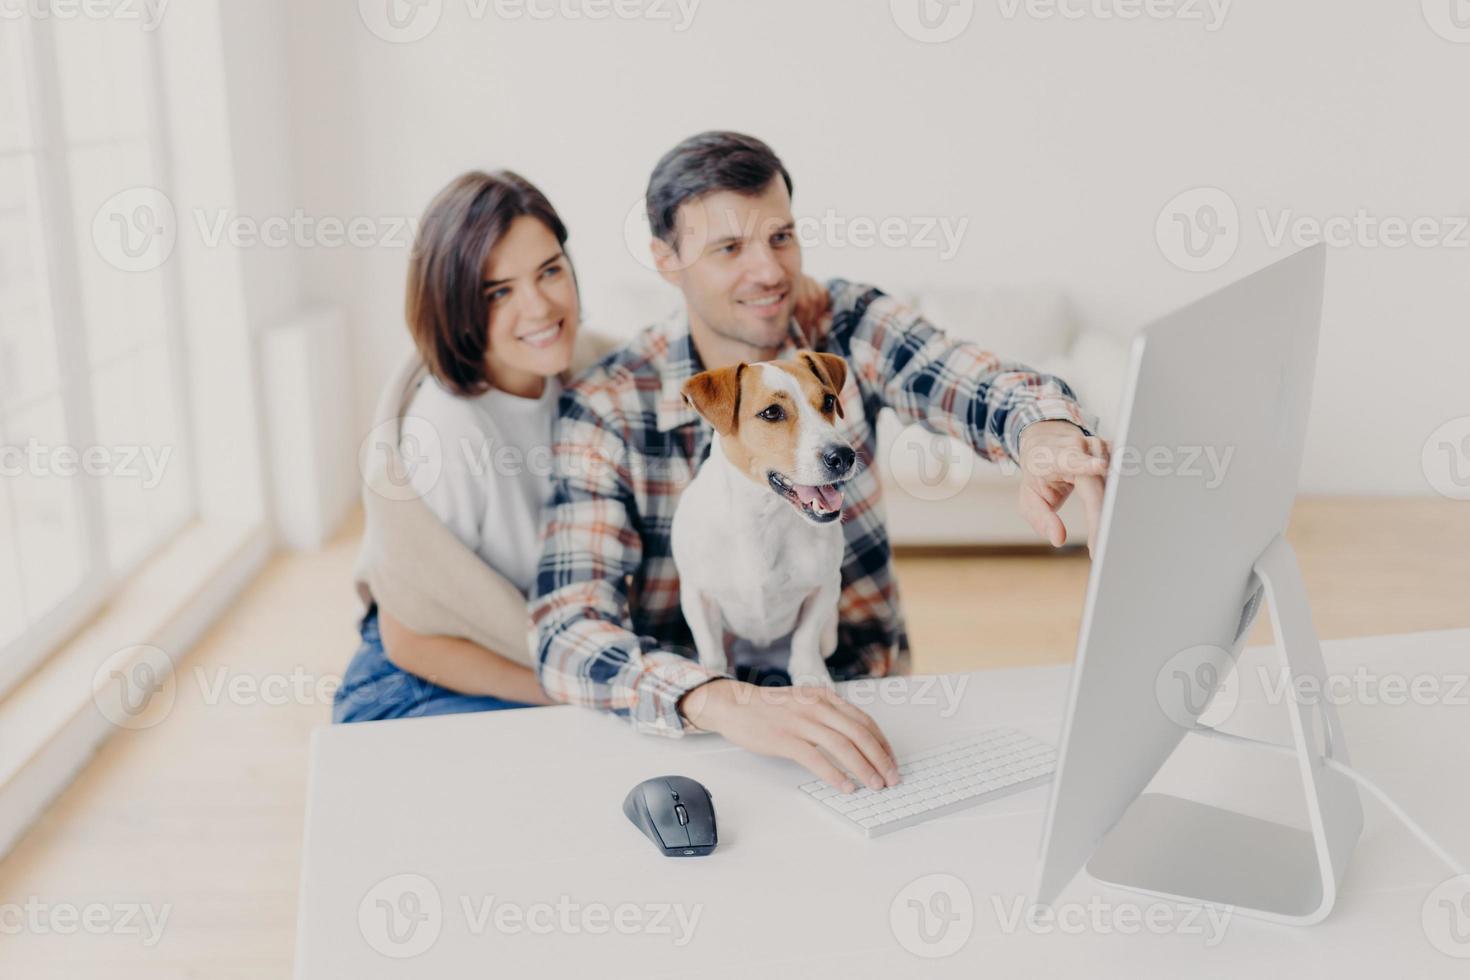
x: 608, y: 628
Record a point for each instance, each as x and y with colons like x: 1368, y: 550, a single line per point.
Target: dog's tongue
x: 830, y: 496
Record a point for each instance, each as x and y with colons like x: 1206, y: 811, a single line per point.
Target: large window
x: 95, y: 461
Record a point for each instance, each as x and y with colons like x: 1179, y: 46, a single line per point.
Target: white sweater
x: 413, y: 565
x: 489, y: 477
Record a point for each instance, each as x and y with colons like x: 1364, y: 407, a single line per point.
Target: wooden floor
x: 202, y: 813
x: 1371, y: 565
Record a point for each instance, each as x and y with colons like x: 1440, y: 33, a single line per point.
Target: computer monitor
x: 1204, y: 471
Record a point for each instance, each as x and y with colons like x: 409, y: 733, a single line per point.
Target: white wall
x: 259, y: 99
x: 1058, y: 140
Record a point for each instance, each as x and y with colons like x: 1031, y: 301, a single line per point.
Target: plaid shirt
x: 608, y: 629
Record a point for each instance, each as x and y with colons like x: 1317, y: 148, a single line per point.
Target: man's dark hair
x: 704, y: 164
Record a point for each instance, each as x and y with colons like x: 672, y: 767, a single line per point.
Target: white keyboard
x: 975, y: 769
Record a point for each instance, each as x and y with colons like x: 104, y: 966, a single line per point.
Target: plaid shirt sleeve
x: 587, y: 652
x: 949, y: 386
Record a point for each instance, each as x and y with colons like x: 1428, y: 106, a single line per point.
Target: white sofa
x: 936, y: 491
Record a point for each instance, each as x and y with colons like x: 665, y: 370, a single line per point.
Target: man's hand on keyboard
x: 941, y: 779
x: 797, y: 723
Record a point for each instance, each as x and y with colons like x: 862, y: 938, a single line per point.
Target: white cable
x: 1357, y: 777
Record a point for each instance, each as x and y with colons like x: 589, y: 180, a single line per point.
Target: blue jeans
x: 374, y: 688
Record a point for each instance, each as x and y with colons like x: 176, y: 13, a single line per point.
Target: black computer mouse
x: 674, y: 812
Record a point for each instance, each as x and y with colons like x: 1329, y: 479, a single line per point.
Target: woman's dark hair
x: 704, y: 164
x: 446, y: 307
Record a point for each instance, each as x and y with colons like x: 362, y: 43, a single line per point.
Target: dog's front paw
x: 716, y: 662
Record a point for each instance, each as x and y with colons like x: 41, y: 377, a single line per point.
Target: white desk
x: 523, y: 808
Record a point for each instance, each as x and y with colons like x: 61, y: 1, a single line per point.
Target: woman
x: 494, y: 311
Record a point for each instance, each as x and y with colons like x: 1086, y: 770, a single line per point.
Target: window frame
x: 59, y: 279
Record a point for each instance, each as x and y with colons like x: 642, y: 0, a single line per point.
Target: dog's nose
x: 838, y: 459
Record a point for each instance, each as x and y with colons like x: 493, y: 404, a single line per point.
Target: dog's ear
x: 716, y: 396
x: 831, y: 370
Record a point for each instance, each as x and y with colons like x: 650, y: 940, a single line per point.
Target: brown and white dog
x: 757, y: 536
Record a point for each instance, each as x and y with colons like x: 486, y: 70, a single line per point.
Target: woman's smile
x: 544, y: 336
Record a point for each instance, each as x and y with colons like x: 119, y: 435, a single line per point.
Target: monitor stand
x: 1180, y: 849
